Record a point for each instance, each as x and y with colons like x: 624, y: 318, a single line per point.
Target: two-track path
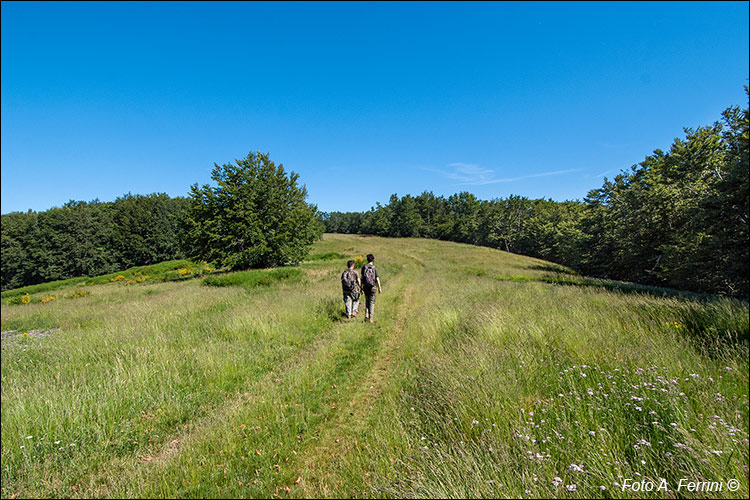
x: 339, y: 436
x: 331, y: 437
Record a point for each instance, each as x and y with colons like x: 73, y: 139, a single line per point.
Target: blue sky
x: 361, y: 99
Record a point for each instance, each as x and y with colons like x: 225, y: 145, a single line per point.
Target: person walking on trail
x: 370, y: 281
x: 351, y: 286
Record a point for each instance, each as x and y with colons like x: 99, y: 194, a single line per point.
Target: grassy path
x: 340, y: 435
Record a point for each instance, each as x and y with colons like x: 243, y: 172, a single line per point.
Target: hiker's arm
x: 380, y: 290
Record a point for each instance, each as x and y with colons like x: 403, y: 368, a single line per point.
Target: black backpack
x: 368, y: 276
x: 348, y: 283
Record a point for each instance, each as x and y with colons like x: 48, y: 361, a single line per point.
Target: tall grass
x: 466, y: 385
x: 255, y: 278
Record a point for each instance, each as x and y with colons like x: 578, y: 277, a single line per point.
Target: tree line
x: 677, y: 219
x: 89, y: 238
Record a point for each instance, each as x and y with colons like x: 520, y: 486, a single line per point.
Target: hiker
x: 351, y: 285
x: 370, y: 280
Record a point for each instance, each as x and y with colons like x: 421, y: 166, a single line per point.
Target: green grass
x: 255, y: 278
x: 467, y: 385
x: 326, y: 256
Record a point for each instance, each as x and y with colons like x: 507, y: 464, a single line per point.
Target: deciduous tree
x: 255, y: 216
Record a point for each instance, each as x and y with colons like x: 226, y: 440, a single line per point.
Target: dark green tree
x: 256, y: 216
x: 74, y: 241
x: 406, y: 219
x: 20, y: 240
x: 506, y: 222
x: 433, y: 211
x: 343, y: 222
x: 464, y: 208
x: 378, y: 220
x: 146, y: 228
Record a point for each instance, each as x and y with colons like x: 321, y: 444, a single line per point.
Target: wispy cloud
x: 471, y: 174
x: 541, y: 174
x: 606, y: 172
x: 466, y: 173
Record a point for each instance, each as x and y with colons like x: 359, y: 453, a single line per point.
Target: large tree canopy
x: 255, y: 216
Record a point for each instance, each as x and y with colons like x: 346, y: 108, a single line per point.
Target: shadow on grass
x: 612, y: 285
x: 553, y: 268
x: 326, y: 256
x: 714, y: 322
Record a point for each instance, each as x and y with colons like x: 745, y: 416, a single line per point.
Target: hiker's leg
x: 355, y: 307
x: 348, y: 304
x: 371, y: 306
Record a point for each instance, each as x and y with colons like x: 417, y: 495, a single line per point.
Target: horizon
x: 539, y: 100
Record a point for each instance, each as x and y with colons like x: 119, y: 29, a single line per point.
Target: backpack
x: 348, y: 283
x: 368, y: 276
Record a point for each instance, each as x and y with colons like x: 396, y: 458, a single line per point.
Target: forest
x: 677, y: 219
x: 89, y: 238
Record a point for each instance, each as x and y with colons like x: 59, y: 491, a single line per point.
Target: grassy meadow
x: 485, y: 374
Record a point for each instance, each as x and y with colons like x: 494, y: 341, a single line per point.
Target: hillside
x: 486, y: 374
